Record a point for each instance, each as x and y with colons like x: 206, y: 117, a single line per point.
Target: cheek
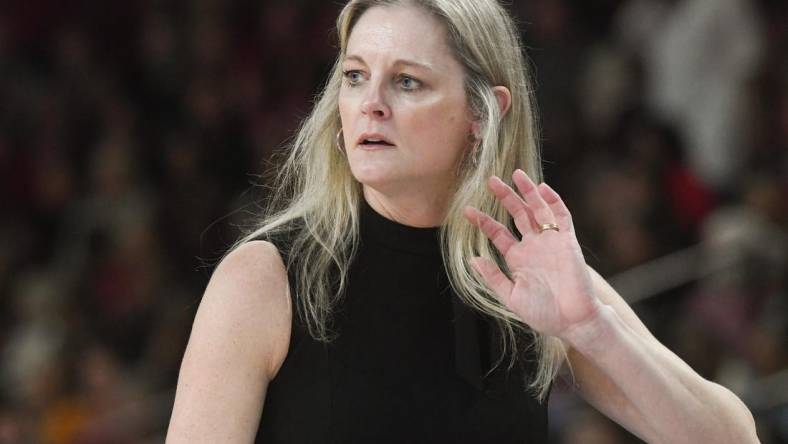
x: 344, y: 110
x: 440, y: 134
x: 347, y: 118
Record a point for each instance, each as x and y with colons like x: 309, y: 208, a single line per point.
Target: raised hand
x: 550, y: 287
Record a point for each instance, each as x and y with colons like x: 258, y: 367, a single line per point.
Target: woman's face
x: 404, y: 93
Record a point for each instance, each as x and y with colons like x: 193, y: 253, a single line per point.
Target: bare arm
x: 238, y: 342
x: 619, y: 366
x: 623, y: 371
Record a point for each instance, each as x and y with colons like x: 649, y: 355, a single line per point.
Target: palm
x: 550, y: 287
x: 551, y: 283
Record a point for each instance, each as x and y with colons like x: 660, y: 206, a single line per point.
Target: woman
x: 361, y: 308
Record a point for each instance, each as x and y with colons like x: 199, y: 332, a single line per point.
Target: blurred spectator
x: 698, y: 61
x: 130, y: 135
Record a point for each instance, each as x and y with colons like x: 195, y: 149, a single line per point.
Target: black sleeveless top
x: 409, y: 361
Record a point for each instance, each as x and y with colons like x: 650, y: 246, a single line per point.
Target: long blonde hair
x: 315, y: 190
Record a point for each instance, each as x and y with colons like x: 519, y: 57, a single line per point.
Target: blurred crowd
x: 131, y: 134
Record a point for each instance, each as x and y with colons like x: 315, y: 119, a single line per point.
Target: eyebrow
x: 396, y: 62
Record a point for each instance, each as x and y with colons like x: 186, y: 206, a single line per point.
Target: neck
x: 420, y: 210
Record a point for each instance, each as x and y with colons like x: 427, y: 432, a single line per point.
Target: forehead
x: 401, y: 32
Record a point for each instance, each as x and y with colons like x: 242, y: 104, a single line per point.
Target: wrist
x: 589, y: 335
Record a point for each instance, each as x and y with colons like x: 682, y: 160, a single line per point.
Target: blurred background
x: 131, y: 134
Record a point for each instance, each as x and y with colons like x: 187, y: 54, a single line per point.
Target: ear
x: 476, y: 129
x: 504, y: 97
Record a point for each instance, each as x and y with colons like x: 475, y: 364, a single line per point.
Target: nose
x: 374, y: 104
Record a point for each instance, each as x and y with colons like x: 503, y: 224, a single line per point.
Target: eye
x: 409, y: 83
x: 353, y: 77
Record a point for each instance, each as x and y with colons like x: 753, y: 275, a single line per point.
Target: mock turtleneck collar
x: 378, y: 228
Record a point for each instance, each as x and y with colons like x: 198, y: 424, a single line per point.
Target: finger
x: 522, y: 215
x: 542, y: 213
x: 494, y: 278
x: 562, y: 215
x: 494, y: 230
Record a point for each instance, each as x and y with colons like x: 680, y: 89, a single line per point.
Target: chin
x: 378, y: 182
x: 381, y: 180
x: 372, y: 172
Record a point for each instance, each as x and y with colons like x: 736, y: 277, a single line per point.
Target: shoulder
x: 253, y: 265
x: 239, y: 340
x: 248, y: 298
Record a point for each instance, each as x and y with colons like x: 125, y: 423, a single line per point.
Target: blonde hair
x: 317, y: 197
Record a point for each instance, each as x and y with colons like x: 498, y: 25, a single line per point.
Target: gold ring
x: 545, y: 227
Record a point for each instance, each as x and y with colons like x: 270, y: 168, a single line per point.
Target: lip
x: 361, y: 146
x: 364, y: 136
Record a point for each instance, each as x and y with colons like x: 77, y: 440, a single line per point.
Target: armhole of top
x: 283, y: 242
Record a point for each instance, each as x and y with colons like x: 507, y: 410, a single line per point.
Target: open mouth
x: 373, y: 143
